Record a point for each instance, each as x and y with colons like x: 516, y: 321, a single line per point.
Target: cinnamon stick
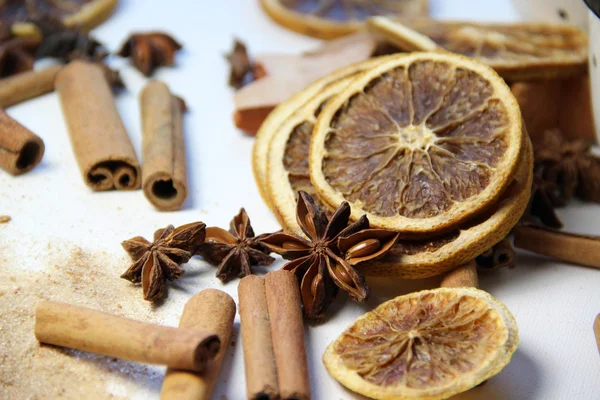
x: 27, y: 85
x: 97, y: 332
x: 259, y: 358
x: 463, y: 276
x: 213, y: 311
x: 103, y: 150
x: 287, y: 332
x: 20, y: 149
x: 164, y: 174
x: 597, y: 331
x: 564, y: 246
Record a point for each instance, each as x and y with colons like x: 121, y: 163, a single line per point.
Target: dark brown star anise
x: 569, y: 164
x: 325, y: 261
x: 236, y: 251
x: 545, y: 197
x: 149, y: 51
x: 155, y: 263
x: 242, y: 70
x: 16, y: 55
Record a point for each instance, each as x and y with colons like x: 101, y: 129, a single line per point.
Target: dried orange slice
x: 427, y: 345
x: 419, y: 143
x: 422, y: 258
x: 515, y: 51
x: 84, y: 14
x: 271, y: 127
x: 328, y: 19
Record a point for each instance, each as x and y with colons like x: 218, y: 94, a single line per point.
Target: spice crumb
x: 4, y: 219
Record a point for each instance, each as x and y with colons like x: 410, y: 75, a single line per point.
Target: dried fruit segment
x: 432, y: 344
x: 419, y: 143
x: 328, y: 19
x: 515, y: 51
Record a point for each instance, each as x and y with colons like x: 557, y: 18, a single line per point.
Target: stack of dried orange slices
x: 431, y: 145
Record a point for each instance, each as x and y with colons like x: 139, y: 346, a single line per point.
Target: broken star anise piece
x: 544, y: 199
x: 236, y: 251
x: 149, y: 51
x: 243, y: 71
x: 155, y: 263
x: 325, y: 261
x: 570, y: 164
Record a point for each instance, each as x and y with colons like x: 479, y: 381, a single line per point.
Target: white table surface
x: 554, y: 304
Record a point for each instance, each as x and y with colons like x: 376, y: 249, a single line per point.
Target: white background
x: 554, y: 304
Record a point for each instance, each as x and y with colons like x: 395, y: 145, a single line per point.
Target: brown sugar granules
x: 91, y: 279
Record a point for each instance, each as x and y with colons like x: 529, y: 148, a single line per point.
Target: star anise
x: 243, y: 70
x: 149, y: 51
x: 236, y: 251
x: 16, y: 55
x: 325, y: 261
x: 67, y: 44
x: 569, y: 164
x: 155, y: 263
x: 544, y: 199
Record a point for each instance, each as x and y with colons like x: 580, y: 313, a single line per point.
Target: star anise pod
x: 242, y: 69
x: 16, y: 55
x: 155, y: 263
x: 325, y: 261
x: 236, y: 251
x: 67, y: 44
x: 149, y: 51
x: 570, y: 164
x: 545, y: 197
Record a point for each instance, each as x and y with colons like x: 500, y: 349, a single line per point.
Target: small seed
x: 342, y: 275
x: 292, y: 246
x: 310, y: 225
x: 364, y: 248
x: 315, y: 285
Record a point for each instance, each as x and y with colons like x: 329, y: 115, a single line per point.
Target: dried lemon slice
x: 515, y: 51
x: 271, y: 127
x: 414, y: 259
x: 419, y: 143
x: 427, y: 345
x: 84, y: 14
x: 328, y: 19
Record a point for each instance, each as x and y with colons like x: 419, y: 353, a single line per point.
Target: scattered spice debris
x: 242, y: 70
x: 4, y: 219
x: 155, y: 263
x: 237, y: 251
x: 325, y: 262
x: 151, y: 50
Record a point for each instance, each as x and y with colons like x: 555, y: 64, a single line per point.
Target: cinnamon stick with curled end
x: 564, y: 246
x: 97, y: 332
x: 463, y: 276
x: 500, y: 256
x: 287, y: 331
x: 259, y: 358
x: 103, y: 150
x: 27, y: 85
x: 20, y: 149
x: 164, y: 174
x: 213, y: 311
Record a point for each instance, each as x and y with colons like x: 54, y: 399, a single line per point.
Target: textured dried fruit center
x: 417, y: 140
x: 344, y: 10
x: 12, y: 11
x: 424, y: 341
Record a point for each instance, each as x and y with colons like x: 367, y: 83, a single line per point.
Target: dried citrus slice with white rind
x: 272, y: 124
x: 427, y: 345
x: 84, y: 14
x: 329, y: 19
x: 415, y: 259
x: 516, y: 51
x: 419, y: 143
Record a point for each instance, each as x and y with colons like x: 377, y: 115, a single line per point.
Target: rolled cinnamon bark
x: 213, y: 311
x: 561, y: 245
x: 259, y: 358
x: 97, y: 332
x: 164, y: 174
x: 103, y: 150
x: 20, y: 149
x: 287, y: 331
x: 463, y: 276
x: 27, y: 85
